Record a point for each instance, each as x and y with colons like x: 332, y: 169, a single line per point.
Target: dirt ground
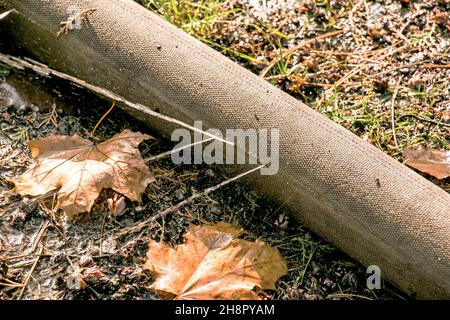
x: 384, y: 48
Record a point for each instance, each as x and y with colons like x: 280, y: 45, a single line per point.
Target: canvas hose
x: 368, y: 204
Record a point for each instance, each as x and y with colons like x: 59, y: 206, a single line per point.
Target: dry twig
x: 28, y: 277
x: 44, y: 70
x: 438, y: 123
x: 51, y: 117
x: 434, y: 66
x: 393, y: 110
x: 143, y: 224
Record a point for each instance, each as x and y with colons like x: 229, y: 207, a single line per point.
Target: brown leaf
x: 81, y: 170
x: 431, y: 161
x: 214, y: 264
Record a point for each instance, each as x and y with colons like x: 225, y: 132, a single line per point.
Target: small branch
x: 44, y: 70
x: 28, y: 277
x: 168, y: 153
x: 25, y: 256
x: 179, y: 205
x: 51, y: 117
x: 203, y: 193
x: 40, y: 235
x: 431, y: 65
x: 393, y: 110
x: 102, y: 230
x: 309, y: 261
x: 438, y: 123
x: 10, y: 283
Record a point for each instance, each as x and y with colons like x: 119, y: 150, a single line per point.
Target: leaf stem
x: 103, y: 118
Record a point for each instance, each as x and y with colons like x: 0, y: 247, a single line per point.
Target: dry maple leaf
x: 431, y: 161
x: 80, y: 170
x: 214, y: 264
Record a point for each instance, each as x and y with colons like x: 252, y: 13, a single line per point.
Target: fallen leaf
x: 431, y: 161
x: 80, y: 170
x: 214, y: 264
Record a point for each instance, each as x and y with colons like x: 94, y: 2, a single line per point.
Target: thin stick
x: 28, y: 277
x: 100, y: 246
x: 179, y: 205
x: 203, y: 193
x: 344, y: 78
x: 438, y: 123
x: 26, y: 255
x: 168, y: 153
x: 6, y: 135
x: 44, y: 70
x: 393, y: 110
x: 376, y: 75
x: 38, y: 240
x: 51, y: 219
x: 431, y: 65
x: 42, y: 230
x: 12, y: 283
x: 308, y: 262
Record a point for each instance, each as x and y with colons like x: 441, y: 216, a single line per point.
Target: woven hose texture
x: 363, y: 201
